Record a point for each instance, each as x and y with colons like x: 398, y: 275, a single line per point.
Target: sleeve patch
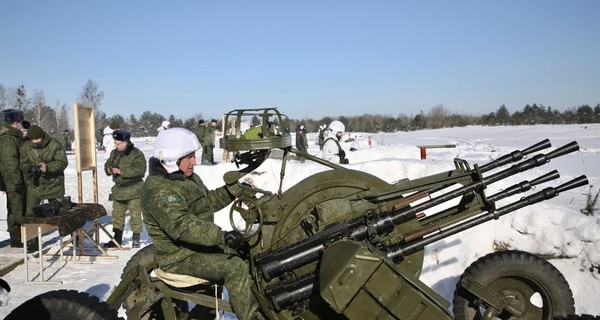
x: 171, y: 198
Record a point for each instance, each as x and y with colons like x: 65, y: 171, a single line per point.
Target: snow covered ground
x: 555, y: 227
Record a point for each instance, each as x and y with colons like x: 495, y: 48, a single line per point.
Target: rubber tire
x: 524, y: 268
x: 145, y: 258
x: 64, y: 305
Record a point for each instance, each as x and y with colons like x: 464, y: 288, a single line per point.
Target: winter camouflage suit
x: 51, y: 184
x: 11, y: 179
x: 127, y: 190
x: 179, y: 215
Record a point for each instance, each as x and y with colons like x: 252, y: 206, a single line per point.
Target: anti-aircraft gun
x: 345, y: 244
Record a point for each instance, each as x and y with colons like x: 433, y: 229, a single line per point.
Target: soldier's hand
x: 234, y: 239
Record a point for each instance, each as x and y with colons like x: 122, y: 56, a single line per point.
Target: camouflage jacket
x: 132, y: 162
x: 10, y: 142
x: 50, y: 184
x: 179, y: 214
x: 201, y: 135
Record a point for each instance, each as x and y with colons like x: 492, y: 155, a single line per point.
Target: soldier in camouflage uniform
x: 179, y: 213
x: 211, y: 137
x: 11, y: 178
x: 127, y: 165
x: 43, y: 160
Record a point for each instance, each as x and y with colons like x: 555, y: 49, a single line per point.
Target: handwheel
x: 241, y: 206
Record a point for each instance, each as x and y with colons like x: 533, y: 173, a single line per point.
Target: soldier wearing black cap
x: 11, y: 177
x: 127, y: 166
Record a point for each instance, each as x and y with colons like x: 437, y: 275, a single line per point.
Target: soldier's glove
x: 344, y: 161
x: 234, y: 239
x: 19, y: 187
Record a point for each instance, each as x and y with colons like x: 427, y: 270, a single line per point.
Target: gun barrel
x: 515, y: 155
x: 524, y: 186
x: 399, y: 251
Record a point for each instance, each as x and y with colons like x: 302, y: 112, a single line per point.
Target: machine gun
x: 373, y: 227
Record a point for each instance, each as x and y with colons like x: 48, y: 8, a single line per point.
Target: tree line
x: 55, y: 118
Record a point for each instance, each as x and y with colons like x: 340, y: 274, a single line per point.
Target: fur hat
x: 121, y: 135
x: 114, y: 125
x: 201, y: 121
x: 35, y: 132
x: 214, y: 120
x: 12, y: 115
x: 26, y: 124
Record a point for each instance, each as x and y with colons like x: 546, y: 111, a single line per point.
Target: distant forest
x: 56, y: 118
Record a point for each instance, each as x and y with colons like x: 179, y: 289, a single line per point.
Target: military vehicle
x: 345, y: 244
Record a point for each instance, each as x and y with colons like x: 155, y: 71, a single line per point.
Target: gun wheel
x: 531, y: 288
x: 145, y: 258
x: 63, y: 304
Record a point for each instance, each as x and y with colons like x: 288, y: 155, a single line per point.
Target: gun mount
x: 345, y: 244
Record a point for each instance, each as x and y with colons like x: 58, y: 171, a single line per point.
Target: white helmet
x: 172, y: 144
x: 166, y: 124
x: 337, y: 126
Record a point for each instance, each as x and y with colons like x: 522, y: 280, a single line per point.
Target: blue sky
x: 308, y: 58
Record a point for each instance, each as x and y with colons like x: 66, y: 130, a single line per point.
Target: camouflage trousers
x: 207, y: 154
x: 135, y: 211
x: 14, y: 213
x: 232, y: 270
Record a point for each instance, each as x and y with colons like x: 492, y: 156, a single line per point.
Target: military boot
x: 135, y: 240
x: 118, y: 237
x: 15, y: 238
x: 33, y: 245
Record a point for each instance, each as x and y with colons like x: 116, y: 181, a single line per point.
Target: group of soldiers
x: 32, y: 165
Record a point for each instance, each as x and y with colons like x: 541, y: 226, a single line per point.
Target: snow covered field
x: 555, y: 227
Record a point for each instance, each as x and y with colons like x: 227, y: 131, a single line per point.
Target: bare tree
x: 90, y: 96
x: 62, y: 120
x: 21, y: 102
x: 37, y: 105
x: 3, y: 98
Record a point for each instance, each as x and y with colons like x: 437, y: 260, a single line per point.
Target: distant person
x: 164, y: 126
x: 68, y: 140
x: 203, y: 136
x: 209, y: 157
x: 321, y: 135
x: 127, y: 166
x: 43, y: 161
x: 332, y: 150
x: 179, y: 213
x: 301, y: 141
x: 107, y: 140
x: 11, y: 177
x: 354, y: 146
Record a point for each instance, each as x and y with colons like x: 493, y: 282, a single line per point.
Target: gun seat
x: 178, y: 280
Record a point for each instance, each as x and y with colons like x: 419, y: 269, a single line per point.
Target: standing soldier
x: 107, y: 140
x: 11, y: 178
x: 301, y: 141
x: 44, y: 160
x: 332, y: 150
x: 127, y: 165
x: 211, y: 136
x: 322, y: 136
